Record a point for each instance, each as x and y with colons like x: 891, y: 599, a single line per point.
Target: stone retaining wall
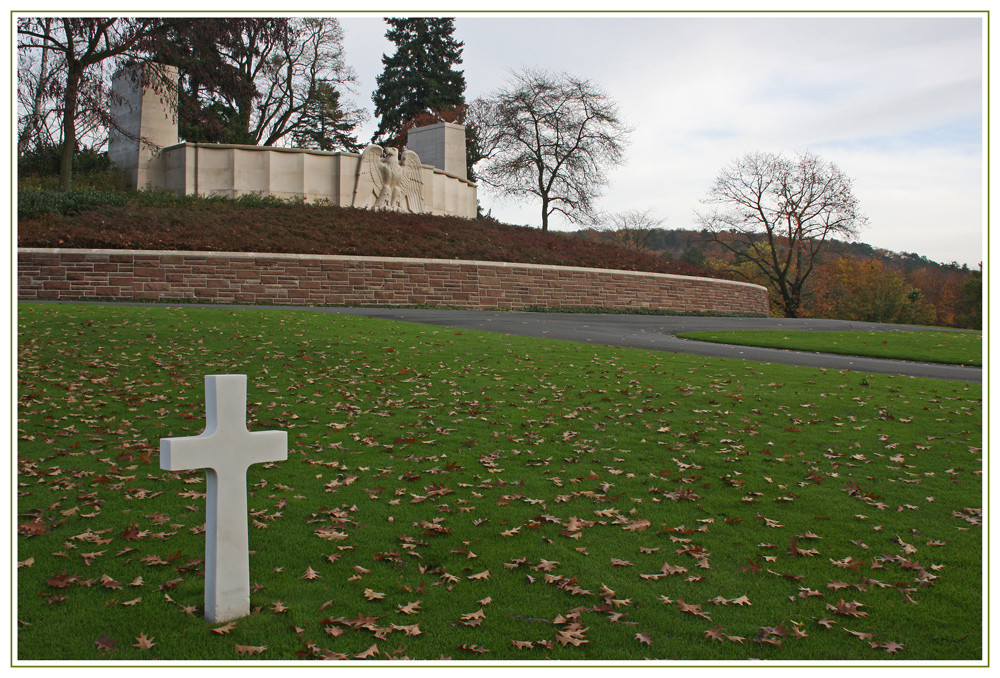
x: 303, y: 279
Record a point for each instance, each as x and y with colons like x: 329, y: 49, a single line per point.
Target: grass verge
x: 479, y: 496
x: 955, y: 348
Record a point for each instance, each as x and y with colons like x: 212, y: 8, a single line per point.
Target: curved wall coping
x: 382, y: 260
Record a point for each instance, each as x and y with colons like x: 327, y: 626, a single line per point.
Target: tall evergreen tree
x: 324, y: 124
x: 419, y: 78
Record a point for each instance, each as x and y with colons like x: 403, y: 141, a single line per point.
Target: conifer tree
x: 324, y: 124
x: 419, y: 77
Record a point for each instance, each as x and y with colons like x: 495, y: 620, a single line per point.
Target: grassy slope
x: 441, y: 455
x: 314, y: 229
x: 955, y: 348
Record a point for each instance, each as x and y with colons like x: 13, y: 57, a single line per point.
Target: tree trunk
x: 791, y: 305
x: 74, y: 74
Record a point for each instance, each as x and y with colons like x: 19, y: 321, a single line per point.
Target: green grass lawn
x: 478, y: 496
x: 956, y: 348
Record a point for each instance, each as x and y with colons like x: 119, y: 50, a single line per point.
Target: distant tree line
x: 791, y: 225
x: 850, y: 281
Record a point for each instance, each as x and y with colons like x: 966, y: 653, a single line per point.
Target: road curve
x: 651, y: 332
x: 659, y: 333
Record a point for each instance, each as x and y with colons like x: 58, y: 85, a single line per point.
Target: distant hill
x: 695, y: 247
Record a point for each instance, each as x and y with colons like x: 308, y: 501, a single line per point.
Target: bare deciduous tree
x: 552, y: 137
x: 260, y: 81
x: 84, y: 46
x: 630, y: 229
x: 38, y: 73
x: 306, y: 63
x: 776, y: 214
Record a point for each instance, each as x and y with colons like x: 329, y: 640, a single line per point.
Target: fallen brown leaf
x: 249, y: 649
x: 143, y: 642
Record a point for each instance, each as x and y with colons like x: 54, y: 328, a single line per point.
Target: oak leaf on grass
x: 370, y: 652
x: 409, y: 608
x: 249, y: 649
x: 105, y: 643
x: 473, y: 618
x: 692, y: 609
x: 715, y: 633
x: 143, y: 642
x: 471, y: 648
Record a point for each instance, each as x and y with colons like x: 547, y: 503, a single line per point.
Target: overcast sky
x: 895, y: 101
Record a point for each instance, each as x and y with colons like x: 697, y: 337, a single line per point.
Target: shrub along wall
x: 77, y: 274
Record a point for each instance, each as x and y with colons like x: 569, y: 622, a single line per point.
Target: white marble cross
x: 225, y: 450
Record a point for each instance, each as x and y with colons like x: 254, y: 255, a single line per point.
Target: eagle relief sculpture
x: 388, y: 183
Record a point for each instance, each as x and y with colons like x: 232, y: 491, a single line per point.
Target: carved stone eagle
x: 387, y: 183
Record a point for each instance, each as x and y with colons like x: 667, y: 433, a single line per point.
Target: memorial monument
x: 152, y: 156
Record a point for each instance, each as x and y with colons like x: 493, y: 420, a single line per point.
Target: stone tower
x: 441, y: 145
x: 148, y: 116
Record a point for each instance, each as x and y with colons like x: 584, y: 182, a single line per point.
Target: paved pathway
x: 657, y: 333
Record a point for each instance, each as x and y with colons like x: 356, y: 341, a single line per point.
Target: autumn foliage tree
x: 777, y: 214
x: 869, y: 290
x: 971, y: 304
x: 942, y: 288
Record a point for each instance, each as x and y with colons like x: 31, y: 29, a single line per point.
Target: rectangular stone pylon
x: 146, y: 120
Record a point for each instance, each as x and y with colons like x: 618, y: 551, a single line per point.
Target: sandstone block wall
x: 76, y: 274
x: 232, y: 170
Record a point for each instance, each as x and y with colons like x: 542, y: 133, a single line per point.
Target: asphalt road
x: 657, y: 333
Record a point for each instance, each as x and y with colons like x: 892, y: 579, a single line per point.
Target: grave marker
x: 225, y: 450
